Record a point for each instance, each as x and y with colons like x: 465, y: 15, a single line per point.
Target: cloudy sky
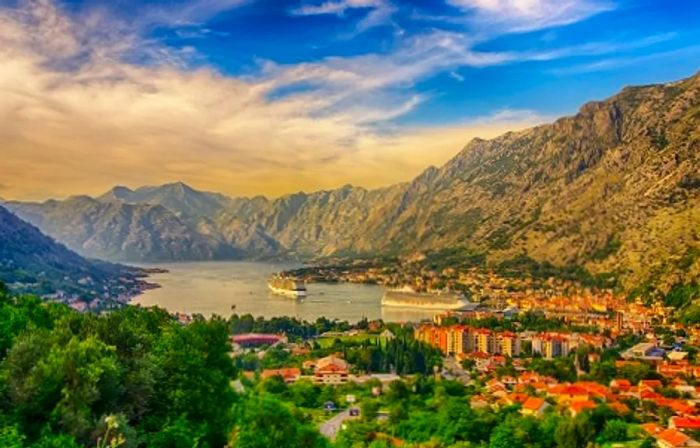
x: 271, y: 97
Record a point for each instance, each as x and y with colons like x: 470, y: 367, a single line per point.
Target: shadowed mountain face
x: 33, y: 262
x: 614, y: 188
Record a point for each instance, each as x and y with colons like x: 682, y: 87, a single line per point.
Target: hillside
x: 33, y: 262
x: 122, y: 231
x: 614, y: 189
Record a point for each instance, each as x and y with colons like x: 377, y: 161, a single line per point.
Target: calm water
x: 213, y: 287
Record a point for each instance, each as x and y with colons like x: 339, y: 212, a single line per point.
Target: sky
x: 249, y: 97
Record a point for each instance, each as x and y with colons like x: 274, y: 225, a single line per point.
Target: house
x: 620, y: 385
x: 672, y: 438
x: 331, y: 370
x: 650, y: 385
x: 566, y: 394
x: 652, y: 429
x: 534, y: 406
x: 515, y: 398
x: 478, y: 402
x: 684, y: 423
x: 647, y: 351
x: 579, y: 406
x: 289, y: 375
x: 619, y: 408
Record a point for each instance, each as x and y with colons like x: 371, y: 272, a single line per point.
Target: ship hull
x: 291, y: 293
x: 425, y: 301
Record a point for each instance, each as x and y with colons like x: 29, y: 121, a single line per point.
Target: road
x: 454, y: 371
x: 331, y: 427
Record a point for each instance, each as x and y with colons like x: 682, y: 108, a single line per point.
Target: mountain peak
x: 178, y: 186
x: 118, y: 192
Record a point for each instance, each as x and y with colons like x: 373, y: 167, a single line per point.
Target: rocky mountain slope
x: 33, y: 262
x: 121, y: 231
x: 614, y: 189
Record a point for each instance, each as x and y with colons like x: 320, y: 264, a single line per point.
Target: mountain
x: 33, y: 262
x: 121, y: 231
x: 178, y: 197
x: 613, y: 190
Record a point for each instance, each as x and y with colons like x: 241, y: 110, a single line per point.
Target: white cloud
x: 185, y: 12
x: 379, y: 11
x: 338, y: 7
x: 77, y: 116
x: 528, y: 15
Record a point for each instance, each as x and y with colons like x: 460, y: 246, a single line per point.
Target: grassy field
x: 327, y: 341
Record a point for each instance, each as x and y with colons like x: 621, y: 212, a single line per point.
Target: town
x: 573, y: 358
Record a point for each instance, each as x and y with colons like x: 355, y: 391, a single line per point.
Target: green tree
x: 614, y: 431
x: 266, y: 422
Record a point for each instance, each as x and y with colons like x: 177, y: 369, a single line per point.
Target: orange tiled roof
x: 567, y: 389
x: 673, y: 437
x: 284, y: 373
x: 692, y: 423
x: 517, y: 398
x: 653, y: 384
x: 579, y: 406
x: 618, y: 407
x: 533, y: 403
x: 651, y: 428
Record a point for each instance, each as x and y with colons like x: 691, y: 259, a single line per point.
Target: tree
x: 504, y: 437
x: 614, y: 431
x: 265, y: 422
x: 574, y: 433
x: 369, y: 409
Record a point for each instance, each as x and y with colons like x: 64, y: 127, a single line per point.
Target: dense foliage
x: 64, y: 376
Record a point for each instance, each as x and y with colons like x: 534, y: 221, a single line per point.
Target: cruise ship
x: 287, y: 286
x: 408, y: 298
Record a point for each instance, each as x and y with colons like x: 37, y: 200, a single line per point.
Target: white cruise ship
x: 287, y: 286
x: 408, y: 298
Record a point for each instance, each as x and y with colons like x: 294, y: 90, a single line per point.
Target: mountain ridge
x: 32, y: 262
x: 593, y: 189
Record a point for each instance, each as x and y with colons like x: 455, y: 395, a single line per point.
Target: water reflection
x: 226, y: 287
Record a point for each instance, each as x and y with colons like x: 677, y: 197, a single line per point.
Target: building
x: 331, y: 370
x: 534, y: 406
x: 647, y: 351
x: 256, y: 339
x: 672, y: 438
x: 508, y: 344
x: 289, y: 375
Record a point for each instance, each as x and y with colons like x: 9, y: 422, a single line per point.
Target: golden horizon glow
x: 82, y: 131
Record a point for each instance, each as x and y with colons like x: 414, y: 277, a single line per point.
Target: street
x: 331, y: 427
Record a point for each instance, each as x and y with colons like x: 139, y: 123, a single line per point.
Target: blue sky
x: 633, y: 42
x: 258, y: 96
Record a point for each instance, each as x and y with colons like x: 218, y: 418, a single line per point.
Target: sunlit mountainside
x: 614, y: 189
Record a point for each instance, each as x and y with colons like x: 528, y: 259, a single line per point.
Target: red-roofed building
x: 652, y: 429
x: 253, y: 339
x: 534, y: 406
x: 568, y: 393
x: 685, y: 423
x: 289, y: 375
x: 579, y: 406
x: 672, y: 438
x: 620, y: 385
x: 331, y: 370
x: 650, y: 385
x: 515, y: 398
x: 619, y: 408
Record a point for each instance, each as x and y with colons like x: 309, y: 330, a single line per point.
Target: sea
x: 240, y: 287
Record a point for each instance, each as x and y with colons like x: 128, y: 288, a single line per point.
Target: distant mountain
x: 121, y: 231
x: 178, y: 197
x: 33, y: 262
x: 614, y: 189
